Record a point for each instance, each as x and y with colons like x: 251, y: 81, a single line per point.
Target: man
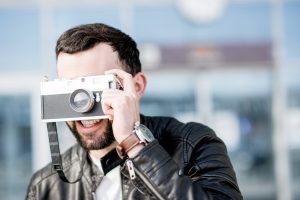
x: 184, y: 161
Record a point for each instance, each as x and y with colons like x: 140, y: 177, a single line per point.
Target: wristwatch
x: 140, y: 135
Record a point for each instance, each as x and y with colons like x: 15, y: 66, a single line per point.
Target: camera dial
x: 82, y: 100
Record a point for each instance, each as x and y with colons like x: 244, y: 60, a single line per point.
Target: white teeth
x: 89, y: 123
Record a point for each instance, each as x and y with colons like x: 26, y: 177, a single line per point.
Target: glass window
x: 291, y: 57
x: 242, y: 117
x: 236, y: 107
x: 66, y: 18
x: 291, y: 29
x: 292, y: 129
x: 15, y: 146
x: 19, y: 37
x: 253, y: 22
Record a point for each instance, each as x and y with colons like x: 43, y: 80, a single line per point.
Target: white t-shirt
x: 110, y: 186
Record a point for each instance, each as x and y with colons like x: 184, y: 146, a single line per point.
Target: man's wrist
x: 133, y: 143
x: 128, y: 144
x: 135, y: 150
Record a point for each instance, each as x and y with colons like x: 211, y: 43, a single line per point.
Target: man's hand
x: 122, y: 106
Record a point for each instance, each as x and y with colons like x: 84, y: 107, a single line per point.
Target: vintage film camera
x: 75, y: 99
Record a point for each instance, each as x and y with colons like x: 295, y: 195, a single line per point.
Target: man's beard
x: 96, y: 141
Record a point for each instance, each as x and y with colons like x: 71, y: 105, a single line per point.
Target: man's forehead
x: 88, y: 63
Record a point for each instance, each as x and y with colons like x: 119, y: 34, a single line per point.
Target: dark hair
x: 86, y: 36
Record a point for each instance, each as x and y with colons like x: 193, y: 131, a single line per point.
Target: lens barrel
x: 82, y: 100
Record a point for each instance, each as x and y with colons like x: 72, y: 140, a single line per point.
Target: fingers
x: 107, y: 108
x: 113, y: 101
x: 109, y: 97
x: 122, y: 108
x: 125, y: 78
x: 117, y: 99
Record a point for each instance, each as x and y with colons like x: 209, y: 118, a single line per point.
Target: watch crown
x: 136, y: 124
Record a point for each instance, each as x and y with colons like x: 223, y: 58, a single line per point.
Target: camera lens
x: 82, y: 101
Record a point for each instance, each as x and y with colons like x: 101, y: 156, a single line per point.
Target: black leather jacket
x: 186, y: 161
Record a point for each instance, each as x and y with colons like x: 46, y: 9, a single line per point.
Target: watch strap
x: 127, y: 144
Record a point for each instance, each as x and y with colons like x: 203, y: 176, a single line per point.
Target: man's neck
x: 102, y: 152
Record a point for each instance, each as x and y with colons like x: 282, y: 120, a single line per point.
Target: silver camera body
x: 75, y: 99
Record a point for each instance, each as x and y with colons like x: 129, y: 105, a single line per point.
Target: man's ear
x: 140, y: 83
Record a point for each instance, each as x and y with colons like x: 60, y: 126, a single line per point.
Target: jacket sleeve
x: 31, y: 193
x: 208, y: 175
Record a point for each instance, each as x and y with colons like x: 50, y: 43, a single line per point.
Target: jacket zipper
x: 129, y: 164
x: 132, y: 170
x: 94, y: 195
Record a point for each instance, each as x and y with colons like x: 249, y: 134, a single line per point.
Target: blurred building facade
x: 237, y: 73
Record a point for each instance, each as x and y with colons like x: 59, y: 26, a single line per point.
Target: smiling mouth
x: 89, y: 123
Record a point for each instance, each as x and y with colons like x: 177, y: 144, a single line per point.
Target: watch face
x: 145, y: 132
